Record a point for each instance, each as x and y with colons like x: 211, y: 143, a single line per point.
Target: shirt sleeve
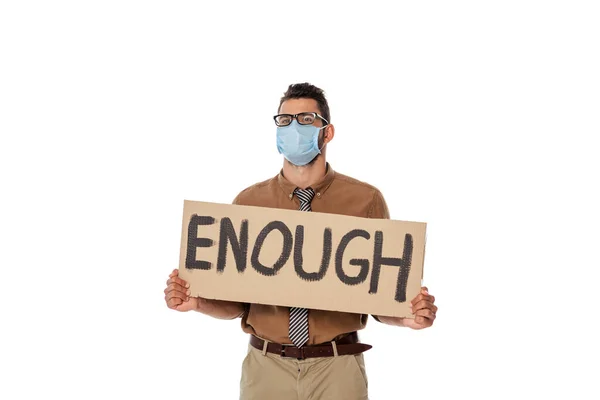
x: 379, y: 208
x: 238, y: 199
x: 241, y: 199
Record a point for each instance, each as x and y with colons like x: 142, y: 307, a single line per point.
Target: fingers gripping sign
x: 177, y: 294
x: 424, y: 310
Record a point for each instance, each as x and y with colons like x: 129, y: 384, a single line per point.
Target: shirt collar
x: 320, y: 187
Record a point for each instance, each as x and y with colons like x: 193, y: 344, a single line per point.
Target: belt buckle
x: 301, y: 353
x: 282, y: 352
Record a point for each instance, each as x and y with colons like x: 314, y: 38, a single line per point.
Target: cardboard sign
x: 302, y: 259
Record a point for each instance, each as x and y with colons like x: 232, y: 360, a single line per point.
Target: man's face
x: 297, y: 106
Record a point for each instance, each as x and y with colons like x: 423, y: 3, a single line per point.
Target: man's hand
x: 424, y: 310
x: 422, y: 307
x: 177, y: 294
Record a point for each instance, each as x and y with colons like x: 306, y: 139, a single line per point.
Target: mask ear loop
x: 323, y: 127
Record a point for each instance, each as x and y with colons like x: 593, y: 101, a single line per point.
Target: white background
x: 479, y: 118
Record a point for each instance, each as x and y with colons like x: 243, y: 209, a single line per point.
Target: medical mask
x: 299, y: 144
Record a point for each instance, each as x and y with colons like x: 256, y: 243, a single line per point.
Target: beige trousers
x: 267, y: 376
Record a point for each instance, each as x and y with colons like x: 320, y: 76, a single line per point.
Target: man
x: 296, y: 353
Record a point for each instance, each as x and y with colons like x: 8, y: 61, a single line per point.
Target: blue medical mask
x: 299, y: 144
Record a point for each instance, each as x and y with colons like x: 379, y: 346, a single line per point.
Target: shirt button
x: 291, y: 195
x: 319, y: 194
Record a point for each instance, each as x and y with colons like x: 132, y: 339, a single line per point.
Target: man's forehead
x: 295, y: 106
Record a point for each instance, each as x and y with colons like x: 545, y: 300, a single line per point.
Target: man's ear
x: 328, y: 134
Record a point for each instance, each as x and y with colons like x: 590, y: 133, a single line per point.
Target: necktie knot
x: 305, y: 196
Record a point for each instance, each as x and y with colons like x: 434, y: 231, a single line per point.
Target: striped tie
x: 299, y: 316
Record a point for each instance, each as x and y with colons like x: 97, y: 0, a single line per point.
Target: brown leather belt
x: 347, y: 345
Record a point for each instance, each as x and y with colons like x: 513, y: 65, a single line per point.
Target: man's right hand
x: 177, y: 294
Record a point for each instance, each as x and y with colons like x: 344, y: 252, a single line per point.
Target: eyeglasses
x: 305, y: 118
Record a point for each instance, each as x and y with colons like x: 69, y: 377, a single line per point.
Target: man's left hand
x: 423, y: 309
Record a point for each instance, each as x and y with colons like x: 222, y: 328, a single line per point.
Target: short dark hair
x: 308, y: 91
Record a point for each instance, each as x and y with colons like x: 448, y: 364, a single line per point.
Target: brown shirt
x: 335, y: 194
